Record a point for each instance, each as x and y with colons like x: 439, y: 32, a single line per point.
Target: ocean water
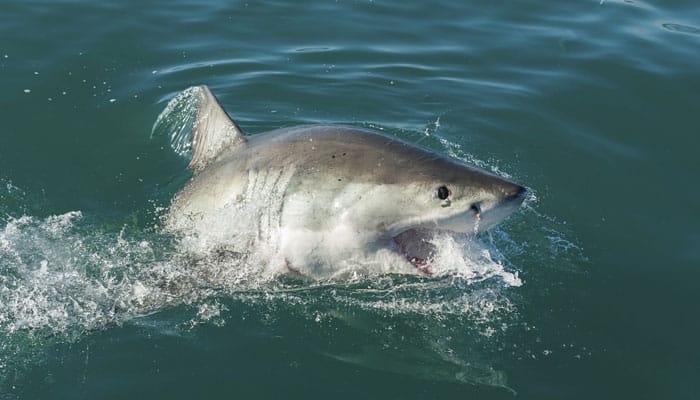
x: 589, y: 291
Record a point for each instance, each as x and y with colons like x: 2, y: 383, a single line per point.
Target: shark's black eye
x: 443, y: 192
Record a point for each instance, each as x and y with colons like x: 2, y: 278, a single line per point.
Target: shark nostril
x: 476, y: 208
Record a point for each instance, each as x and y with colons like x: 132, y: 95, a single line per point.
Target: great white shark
x: 323, y: 195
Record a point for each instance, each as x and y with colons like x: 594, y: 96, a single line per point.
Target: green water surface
x: 593, y: 105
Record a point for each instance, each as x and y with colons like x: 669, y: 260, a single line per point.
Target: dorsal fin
x: 212, y: 131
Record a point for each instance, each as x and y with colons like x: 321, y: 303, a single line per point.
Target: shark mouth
x: 416, y: 246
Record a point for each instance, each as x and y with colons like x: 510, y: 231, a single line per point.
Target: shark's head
x: 448, y: 196
x: 366, y: 188
x: 410, y: 191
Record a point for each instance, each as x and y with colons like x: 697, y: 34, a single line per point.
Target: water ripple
x: 679, y: 28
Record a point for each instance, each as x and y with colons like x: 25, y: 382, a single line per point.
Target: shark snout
x: 510, y: 197
x: 515, y: 195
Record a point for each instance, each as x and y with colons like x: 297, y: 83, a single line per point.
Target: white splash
x: 175, y: 121
x: 470, y: 258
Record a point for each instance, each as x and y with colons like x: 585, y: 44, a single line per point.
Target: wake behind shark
x: 322, y: 197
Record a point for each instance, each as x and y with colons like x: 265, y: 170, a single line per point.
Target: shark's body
x: 322, y: 195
